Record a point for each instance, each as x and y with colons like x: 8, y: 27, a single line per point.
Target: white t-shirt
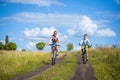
x: 84, y: 42
x: 54, y: 39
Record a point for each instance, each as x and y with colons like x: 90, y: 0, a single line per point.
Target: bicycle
x: 54, y: 53
x: 84, y: 55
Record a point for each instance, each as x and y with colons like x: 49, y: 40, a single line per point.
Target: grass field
x: 106, y: 63
x: 13, y: 63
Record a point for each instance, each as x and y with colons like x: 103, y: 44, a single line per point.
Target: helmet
x: 55, y: 32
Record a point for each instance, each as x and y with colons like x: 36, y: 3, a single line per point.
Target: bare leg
x: 56, y: 49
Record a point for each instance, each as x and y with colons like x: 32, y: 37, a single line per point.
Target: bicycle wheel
x: 53, y: 57
x: 85, y: 58
x: 52, y: 60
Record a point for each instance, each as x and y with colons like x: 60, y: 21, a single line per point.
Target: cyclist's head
x: 85, y: 36
x: 55, y: 33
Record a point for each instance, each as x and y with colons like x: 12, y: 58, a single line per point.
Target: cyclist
x: 85, y: 42
x: 55, y: 41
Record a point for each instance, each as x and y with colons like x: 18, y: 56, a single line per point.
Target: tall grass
x: 106, y: 63
x: 13, y: 63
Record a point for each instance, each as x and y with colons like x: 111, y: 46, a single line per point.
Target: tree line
x: 8, y: 45
x: 40, y: 45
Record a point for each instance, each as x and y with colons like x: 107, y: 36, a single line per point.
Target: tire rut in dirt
x: 34, y: 73
x: 83, y: 72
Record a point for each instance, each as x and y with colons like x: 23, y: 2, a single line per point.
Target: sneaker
x: 87, y: 59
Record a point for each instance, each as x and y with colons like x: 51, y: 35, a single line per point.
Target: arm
x: 49, y: 41
x: 58, y: 41
x: 89, y: 43
x: 81, y: 43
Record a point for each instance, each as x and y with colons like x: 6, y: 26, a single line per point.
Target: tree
x: 1, y: 46
x: 6, y: 47
x: 114, y: 46
x: 69, y: 46
x: 6, y: 39
x: 6, y: 42
x: 23, y: 50
x: 40, y: 45
x: 12, y: 46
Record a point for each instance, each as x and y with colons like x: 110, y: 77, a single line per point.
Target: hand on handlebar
x: 48, y: 44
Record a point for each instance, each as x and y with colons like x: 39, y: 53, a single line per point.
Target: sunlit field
x: 106, y: 63
x: 13, y: 63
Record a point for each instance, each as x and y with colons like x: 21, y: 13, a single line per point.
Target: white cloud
x: 31, y: 45
x: 33, y: 32
x: 3, y: 41
x: 63, y: 37
x: 102, y: 21
x: 36, y: 33
x: 105, y: 32
x: 12, y: 38
x: 109, y: 15
x: 86, y: 25
x: 76, y: 24
x: 71, y: 31
x: 21, y: 39
x: 47, y: 31
x: 51, y: 19
x: 37, y: 2
x: 36, y: 38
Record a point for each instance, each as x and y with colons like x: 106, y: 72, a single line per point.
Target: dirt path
x: 34, y: 73
x: 83, y: 72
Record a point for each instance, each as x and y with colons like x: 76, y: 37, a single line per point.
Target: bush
x: 1, y: 46
x: 40, y: 45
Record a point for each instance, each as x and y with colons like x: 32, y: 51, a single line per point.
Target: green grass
x: 106, y: 63
x: 62, y: 71
x: 13, y: 63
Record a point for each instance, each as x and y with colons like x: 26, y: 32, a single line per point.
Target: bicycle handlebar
x: 52, y: 44
x: 86, y: 45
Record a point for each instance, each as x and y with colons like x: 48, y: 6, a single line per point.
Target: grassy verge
x: 61, y: 71
x: 106, y: 63
x: 13, y: 63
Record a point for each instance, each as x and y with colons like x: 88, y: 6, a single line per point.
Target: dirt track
x: 34, y: 73
x: 83, y: 72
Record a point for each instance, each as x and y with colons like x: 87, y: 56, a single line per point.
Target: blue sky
x: 30, y: 21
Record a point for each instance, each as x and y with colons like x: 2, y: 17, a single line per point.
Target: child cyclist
x: 85, y: 42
